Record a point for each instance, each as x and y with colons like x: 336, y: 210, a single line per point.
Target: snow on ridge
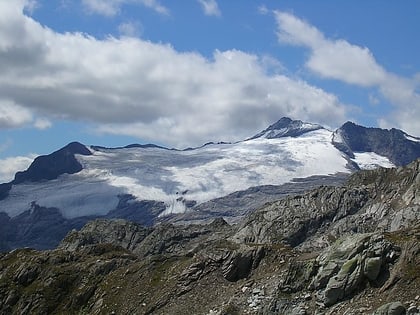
x: 408, y: 137
x: 306, y: 125
x: 371, y: 160
x: 337, y: 137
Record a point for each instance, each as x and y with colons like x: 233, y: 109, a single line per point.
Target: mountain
x: 399, y: 147
x: 150, y: 184
x: 287, y: 127
x: 349, y: 249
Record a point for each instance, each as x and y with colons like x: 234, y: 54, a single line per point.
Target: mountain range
x: 348, y: 249
x: 149, y: 184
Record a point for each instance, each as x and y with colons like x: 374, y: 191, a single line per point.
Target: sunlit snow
x: 371, y: 160
x: 408, y: 137
x: 165, y: 175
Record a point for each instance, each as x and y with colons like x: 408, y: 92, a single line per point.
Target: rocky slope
x: 333, y: 250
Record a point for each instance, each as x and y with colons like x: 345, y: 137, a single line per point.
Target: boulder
x: 393, y: 308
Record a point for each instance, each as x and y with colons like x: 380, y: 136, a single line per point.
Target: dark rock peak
x: 393, y: 143
x: 286, y: 127
x: 74, y: 148
x: 48, y: 167
x: 283, y: 123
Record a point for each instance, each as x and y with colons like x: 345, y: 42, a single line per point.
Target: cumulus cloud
x: 340, y: 60
x: 13, y: 115
x: 11, y: 165
x: 210, y: 7
x: 335, y: 59
x: 135, y: 87
x: 113, y: 7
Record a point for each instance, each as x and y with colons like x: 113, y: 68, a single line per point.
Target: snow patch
x: 337, y: 137
x: 371, y: 160
x: 408, y: 137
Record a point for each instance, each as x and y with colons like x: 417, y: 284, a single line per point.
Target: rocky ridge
x: 395, y: 144
x: 352, y: 249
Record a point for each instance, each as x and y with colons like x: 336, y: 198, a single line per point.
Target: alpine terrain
x: 347, y: 249
x: 148, y: 184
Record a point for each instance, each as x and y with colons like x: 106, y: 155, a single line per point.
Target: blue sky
x: 182, y: 73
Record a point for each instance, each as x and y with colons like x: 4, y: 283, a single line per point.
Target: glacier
x: 176, y: 177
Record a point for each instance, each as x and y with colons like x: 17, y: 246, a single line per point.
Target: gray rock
x: 26, y: 273
x: 117, y: 232
x: 372, y: 267
x: 393, y: 308
x: 347, y: 264
x: 241, y: 262
x: 413, y: 310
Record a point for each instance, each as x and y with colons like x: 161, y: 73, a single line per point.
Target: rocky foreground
x: 352, y: 249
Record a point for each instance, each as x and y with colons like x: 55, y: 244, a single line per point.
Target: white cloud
x: 113, y: 7
x: 31, y: 6
x: 340, y: 60
x: 103, y: 7
x: 210, y: 7
x: 11, y: 165
x: 156, y: 6
x: 42, y: 123
x: 136, y: 87
x: 13, y: 115
x: 335, y: 59
x: 130, y: 29
x: 263, y: 10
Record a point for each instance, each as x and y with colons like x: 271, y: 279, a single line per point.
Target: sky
x: 183, y: 73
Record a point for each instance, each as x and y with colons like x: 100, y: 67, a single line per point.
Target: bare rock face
x: 240, y: 263
x: 292, y: 220
x: 377, y: 200
x: 118, y: 232
x: 391, y: 143
x: 346, y: 265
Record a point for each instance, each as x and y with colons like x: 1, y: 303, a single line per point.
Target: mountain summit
x: 286, y: 127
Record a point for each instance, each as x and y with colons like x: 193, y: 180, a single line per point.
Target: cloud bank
x: 13, y: 164
x: 352, y: 64
x: 149, y: 90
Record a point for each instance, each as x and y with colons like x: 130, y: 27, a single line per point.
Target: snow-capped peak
x: 287, y: 127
